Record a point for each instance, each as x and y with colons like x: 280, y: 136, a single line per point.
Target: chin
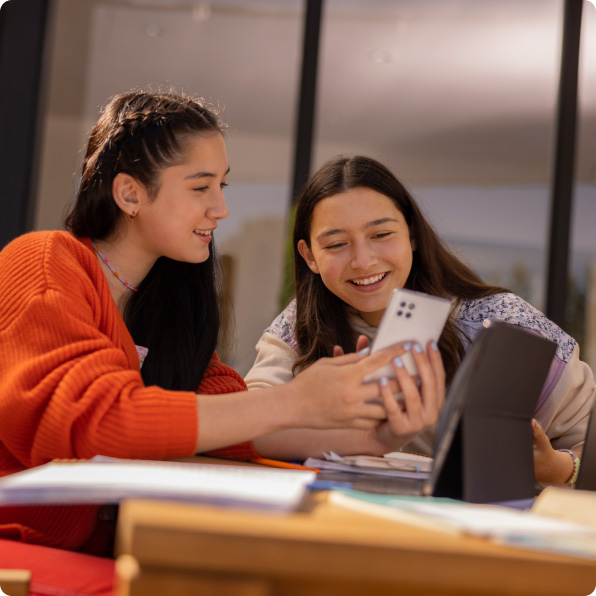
x: 192, y: 257
x: 201, y: 260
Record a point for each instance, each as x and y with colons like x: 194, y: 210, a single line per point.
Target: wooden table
x: 15, y: 582
x: 189, y: 550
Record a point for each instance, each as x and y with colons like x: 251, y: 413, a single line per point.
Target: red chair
x: 53, y: 572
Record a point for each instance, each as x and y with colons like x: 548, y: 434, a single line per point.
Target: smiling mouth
x: 369, y: 280
x: 203, y: 233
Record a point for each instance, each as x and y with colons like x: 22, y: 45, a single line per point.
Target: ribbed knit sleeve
x: 69, y: 384
x: 220, y: 378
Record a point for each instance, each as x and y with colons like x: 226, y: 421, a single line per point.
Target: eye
x: 201, y: 189
x: 223, y: 184
x: 336, y: 245
x: 382, y: 235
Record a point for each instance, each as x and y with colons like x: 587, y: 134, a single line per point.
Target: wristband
x: 576, y: 462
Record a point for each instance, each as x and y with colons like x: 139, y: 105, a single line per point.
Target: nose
x: 363, y: 256
x: 219, y: 208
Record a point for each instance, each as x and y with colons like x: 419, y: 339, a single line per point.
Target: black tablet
x: 483, y: 444
x: 586, y: 479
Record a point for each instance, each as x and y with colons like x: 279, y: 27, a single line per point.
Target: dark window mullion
x: 563, y: 171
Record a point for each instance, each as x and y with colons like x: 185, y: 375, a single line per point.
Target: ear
x: 127, y: 193
x: 307, y: 256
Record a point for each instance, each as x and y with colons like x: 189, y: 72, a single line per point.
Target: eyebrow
x: 370, y: 224
x: 204, y: 175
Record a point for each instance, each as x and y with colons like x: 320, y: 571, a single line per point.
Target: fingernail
x: 384, y: 381
x: 398, y: 362
x: 407, y: 345
x: 417, y: 348
x: 419, y: 382
x: 364, y: 352
x: 434, y: 346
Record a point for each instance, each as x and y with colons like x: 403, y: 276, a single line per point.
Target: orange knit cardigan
x: 70, y: 382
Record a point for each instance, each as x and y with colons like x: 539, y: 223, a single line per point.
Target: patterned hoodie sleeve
x: 564, y: 404
x: 277, y: 351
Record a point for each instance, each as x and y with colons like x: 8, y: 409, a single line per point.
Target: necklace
x: 111, y: 268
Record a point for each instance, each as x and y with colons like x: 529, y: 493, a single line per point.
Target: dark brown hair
x: 175, y: 312
x: 321, y: 317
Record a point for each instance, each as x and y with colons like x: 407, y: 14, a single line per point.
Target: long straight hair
x: 322, y: 317
x: 175, y: 311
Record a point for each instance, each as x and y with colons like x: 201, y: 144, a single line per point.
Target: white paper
x: 108, y: 480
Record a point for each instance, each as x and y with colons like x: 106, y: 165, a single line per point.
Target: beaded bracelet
x: 576, y: 462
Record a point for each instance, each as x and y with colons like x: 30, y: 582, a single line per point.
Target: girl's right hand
x: 331, y: 393
x: 421, y: 403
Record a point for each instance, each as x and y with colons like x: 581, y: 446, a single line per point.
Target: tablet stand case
x: 484, y: 450
x: 587, y: 469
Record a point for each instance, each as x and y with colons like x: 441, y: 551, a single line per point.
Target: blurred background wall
x: 457, y: 97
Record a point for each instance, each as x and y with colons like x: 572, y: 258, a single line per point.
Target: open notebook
x: 105, y: 480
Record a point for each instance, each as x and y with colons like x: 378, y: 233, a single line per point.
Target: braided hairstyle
x: 175, y: 312
x: 321, y: 317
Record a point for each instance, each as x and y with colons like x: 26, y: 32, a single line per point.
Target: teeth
x: 368, y: 280
x: 202, y: 233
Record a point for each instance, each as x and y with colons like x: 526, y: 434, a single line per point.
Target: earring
x: 133, y: 215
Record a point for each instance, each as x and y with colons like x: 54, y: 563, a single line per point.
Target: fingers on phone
x: 436, y: 364
x: 392, y: 406
x: 425, y: 369
x: 361, y: 343
x: 409, y: 386
x: 426, y: 393
x: 375, y: 361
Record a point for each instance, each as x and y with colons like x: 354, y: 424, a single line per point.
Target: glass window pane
x: 241, y: 55
x: 581, y: 307
x: 459, y: 99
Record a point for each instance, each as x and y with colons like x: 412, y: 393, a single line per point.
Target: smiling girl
x: 358, y: 235
x: 108, y: 330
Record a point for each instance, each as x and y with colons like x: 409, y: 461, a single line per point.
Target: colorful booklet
x: 395, y: 464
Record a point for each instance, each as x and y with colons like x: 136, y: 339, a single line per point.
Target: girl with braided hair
x: 108, y: 329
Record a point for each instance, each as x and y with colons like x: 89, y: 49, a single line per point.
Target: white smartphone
x: 409, y: 316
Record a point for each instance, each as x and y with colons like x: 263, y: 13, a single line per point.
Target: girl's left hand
x: 421, y: 404
x: 550, y: 466
x: 361, y: 343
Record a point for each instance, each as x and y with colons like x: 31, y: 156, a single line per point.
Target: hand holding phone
x: 409, y: 316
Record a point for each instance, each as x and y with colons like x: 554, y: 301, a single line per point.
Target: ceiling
x: 447, y: 91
